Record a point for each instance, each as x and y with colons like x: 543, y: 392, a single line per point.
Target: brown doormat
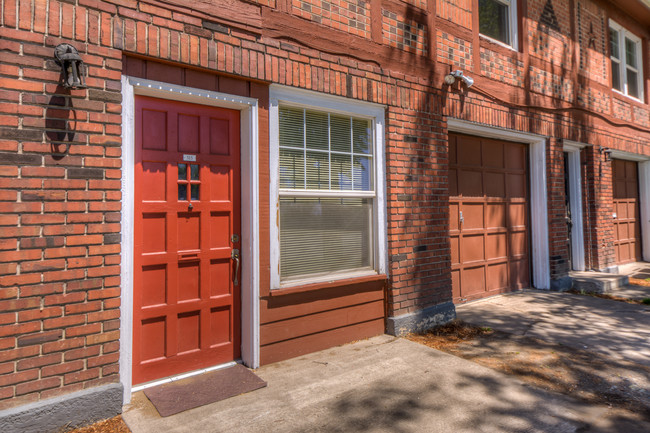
x: 178, y: 396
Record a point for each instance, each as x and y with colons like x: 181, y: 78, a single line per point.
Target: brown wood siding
x: 488, y: 217
x: 627, y: 227
x: 302, y: 322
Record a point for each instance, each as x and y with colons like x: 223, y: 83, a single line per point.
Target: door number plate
x: 189, y: 158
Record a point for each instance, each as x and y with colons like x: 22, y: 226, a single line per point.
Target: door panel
x: 187, y: 189
x: 626, y: 206
x: 488, y: 211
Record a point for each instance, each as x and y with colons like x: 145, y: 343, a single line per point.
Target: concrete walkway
x: 385, y: 384
x: 615, y: 329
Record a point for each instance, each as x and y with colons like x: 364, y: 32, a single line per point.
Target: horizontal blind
x: 319, y: 152
x: 322, y: 235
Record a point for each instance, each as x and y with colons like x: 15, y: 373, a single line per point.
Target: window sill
x: 498, y: 42
x: 327, y: 284
x: 624, y: 95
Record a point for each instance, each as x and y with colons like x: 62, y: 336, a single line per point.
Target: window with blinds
x: 326, y: 193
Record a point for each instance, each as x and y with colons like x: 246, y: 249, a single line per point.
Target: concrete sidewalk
x: 615, y: 329
x: 386, y: 384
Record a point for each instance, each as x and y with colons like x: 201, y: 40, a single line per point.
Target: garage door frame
x: 644, y: 195
x: 539, y: 249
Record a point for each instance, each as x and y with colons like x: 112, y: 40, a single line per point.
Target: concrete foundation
x: 57, y: 414
x: 421, y: 320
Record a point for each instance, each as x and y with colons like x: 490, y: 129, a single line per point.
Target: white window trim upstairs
x: 624, y: 33
x: 513, y: 29
x: 311, y: 100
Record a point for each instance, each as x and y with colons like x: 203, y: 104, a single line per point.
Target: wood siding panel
x: 274, y: 309
x: 311, y: 343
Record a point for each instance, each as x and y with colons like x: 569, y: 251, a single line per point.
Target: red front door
x: 187, y: 226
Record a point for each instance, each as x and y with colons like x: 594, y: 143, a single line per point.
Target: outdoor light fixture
x: 608, y: 154
x: 72, y: 66
x: 458, y: 74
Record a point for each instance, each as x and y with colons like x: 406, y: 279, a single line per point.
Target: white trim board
x: 250, y: 280
x: 335, y: 104
x: 573, y: 149
x: 538, y: 195
x: 644, y: 195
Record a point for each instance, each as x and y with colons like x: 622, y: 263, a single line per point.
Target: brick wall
x: 60, y: 206
x: 60, y: 149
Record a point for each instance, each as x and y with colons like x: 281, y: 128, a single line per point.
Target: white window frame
x: 512, y: 23
x: 333, y: 104
x: 622, y: 62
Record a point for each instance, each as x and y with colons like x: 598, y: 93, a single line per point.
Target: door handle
x: 235, y: 256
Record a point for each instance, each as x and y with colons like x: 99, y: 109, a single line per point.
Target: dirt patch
x: 112, y: 425
x: 584, y: 375
x: 639, y: 282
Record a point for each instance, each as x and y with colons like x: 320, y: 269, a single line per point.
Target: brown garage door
x: 488, y: 216
x: 626, y: 207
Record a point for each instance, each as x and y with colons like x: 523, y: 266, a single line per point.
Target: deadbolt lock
x: 234, y: 239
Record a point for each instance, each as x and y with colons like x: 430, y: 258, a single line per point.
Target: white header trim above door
x: 250, y: 280
x: 538, y: 195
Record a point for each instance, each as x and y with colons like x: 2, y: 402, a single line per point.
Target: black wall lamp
x: 607, y: 151
x: 72, y: 66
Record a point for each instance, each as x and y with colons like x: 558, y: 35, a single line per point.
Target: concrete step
x: 597, y: 282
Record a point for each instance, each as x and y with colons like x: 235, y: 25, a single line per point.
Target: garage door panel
x: 473, y: 249
x: 497, y: 246
x: 515, y: 156
x: 453, y: 216
x: 455, y: 283
x: 519, y: 274
x: 518, y: 243
x: 493, y: 156
x: 497, y: 277
x: 455, y: 250
x: 453, y: 183
x: 469, y: 151
x: 496, y: 215
x: 473, y: 281
x: 470, y: 183
x: 517, y: 215
x: 472, y: 216
x: 516, y: 185
x: 490, y: 247
x: 495, y: 184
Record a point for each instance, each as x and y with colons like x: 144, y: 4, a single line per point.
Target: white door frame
x: 538, y: 197
x: 248, y: 107
x: 573, y: 149
x: 644, y: 195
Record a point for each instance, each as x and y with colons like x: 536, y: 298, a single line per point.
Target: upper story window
x: 327, y: 161
x: 625, y: 53
x: 498, y: 20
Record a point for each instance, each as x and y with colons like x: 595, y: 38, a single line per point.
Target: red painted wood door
x: 627, y: 227
x: 187, y: 189
x: 488, y: 217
